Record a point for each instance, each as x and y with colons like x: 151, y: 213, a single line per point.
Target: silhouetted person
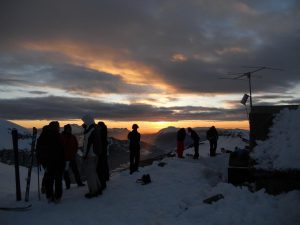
x: 54, y: 163
x: 102, y: 165
x: 91, y: 150
x: 195, y: 138
x: 212, y: 135
x: 42, y: 150
x: 180, y: 142
x: 70, y: 148
x: 134, y: 138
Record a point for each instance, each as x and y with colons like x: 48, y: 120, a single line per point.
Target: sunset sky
x: 154, y: 62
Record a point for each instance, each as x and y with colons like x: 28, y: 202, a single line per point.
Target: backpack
x: 97, y: 147
x: 94, y: 140
x: 145, y: 179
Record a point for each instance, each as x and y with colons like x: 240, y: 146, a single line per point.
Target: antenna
x: 248, y: 75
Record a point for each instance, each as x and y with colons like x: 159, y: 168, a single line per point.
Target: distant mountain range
x: 152, y: 145
x: 163, y: 139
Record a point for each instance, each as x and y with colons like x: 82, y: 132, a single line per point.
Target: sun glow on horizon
x: 144, y: 127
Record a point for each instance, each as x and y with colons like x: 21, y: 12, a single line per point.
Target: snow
x: 6, y: 138
x: 175, y: 196
x: 281, y: 150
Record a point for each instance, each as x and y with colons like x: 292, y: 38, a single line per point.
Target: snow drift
x: 281, y: 150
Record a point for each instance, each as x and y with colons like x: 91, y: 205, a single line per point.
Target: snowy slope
x: 175, y: 196
x: 6, y: 138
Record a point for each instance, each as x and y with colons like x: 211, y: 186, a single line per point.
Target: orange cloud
x: 104, y: 59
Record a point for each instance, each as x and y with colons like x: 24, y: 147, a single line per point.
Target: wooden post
x: 14, y: 134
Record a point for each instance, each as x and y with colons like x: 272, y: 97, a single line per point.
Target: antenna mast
x: 248, y: 76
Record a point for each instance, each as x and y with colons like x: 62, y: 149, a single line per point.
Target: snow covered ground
x: 281, y: 150
x: 175, y: 196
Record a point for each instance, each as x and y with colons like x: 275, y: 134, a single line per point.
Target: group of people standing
x: 211, y: 135
x: 56, y: 152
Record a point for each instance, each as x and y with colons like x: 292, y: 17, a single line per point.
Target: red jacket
x: 70, y: 144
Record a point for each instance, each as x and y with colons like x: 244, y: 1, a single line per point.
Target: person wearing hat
x: 134, y: 138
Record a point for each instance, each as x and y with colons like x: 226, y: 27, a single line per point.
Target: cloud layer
x: 74, y: 108
x: 168, y: 47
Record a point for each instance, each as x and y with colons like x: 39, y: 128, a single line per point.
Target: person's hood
x: 88, y: 120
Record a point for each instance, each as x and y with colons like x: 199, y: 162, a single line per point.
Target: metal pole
x: 250, y: 89
x: 39, y: 190
x: 14, y: 134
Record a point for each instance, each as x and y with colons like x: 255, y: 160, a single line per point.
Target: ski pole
x: 39, y: 191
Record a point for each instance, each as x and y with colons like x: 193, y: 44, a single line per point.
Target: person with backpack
x: 102, y: 165
x: 134, y: 138
x: 212, y: 136
x: 180, y: 142
x: 71, y: 147
x: 195, y: 138
x: 91, y: 150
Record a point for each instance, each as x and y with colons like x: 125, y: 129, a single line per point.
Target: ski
x: 18, y: 208
x: 34, y: 134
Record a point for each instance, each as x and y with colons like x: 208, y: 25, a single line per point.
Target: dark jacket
x: 195, y: 137
x: 50, y: 148
x: 103, y: 138
x: 70, y: 144
x: 181, y: 134
x: 42, y: 146
x: 212, y: 134
x: 134, y: 137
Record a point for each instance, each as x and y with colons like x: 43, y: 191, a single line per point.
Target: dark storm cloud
x: 214, y: 37
x: 74, y: 108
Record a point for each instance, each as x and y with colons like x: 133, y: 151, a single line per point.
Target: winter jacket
x: 42, y: 146
x: 134, y: 138
x: 50, y: 148
x: 195, y: 136
x: 181, y: 134
x: 103, y: 137
x: 212, y: 134
x: 70, y: 145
